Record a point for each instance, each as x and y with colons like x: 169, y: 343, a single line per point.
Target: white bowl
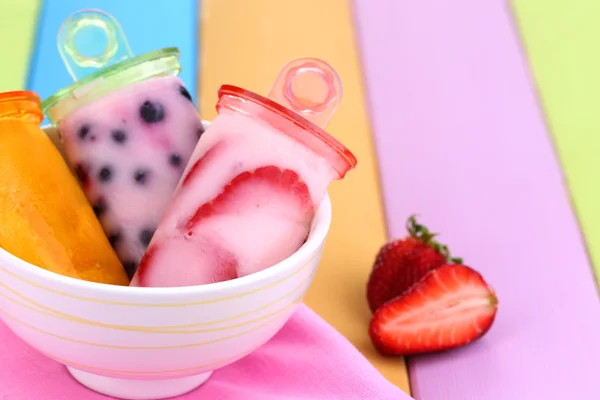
x: 152, y: 343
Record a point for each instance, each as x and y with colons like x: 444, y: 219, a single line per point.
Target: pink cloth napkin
x: 307, y: 360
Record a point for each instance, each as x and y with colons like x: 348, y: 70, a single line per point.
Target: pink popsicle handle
x: 310, y: 87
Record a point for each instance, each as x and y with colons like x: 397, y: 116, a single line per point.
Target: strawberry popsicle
x: 249, y: 193
x: 128, y: 131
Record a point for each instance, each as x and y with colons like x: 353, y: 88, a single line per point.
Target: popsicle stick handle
x: 310, y: 87
x: 90, y: 40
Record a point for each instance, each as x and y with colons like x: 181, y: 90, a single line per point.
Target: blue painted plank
x: 148, y: 25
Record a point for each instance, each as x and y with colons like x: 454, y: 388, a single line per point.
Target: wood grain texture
x: 246, y: 43
x: 461, y: 141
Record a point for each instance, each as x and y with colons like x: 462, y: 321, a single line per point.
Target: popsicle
x: 249, y: 193
x: 46, y: 219
x: 128, y: 126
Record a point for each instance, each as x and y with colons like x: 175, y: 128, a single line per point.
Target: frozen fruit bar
x: 248, y: 195
x: 129, y: 150
x: 46, y: 219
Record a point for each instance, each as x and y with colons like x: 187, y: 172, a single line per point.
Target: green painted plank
x: 17, y: 36
x: 561, y: 41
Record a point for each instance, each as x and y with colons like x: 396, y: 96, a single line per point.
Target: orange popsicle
x: 45, y: 218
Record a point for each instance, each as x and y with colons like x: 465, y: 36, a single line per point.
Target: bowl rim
x: 320, y: 227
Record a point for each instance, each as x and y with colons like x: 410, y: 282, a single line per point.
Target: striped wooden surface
x: 461, y: 140
x: 261, y: 37
x: 440, y: 106
x: 560, y: 39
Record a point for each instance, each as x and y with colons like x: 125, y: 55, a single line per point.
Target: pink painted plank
x: 461, y: 140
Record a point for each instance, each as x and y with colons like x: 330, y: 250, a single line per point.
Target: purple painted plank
x: 461, y: 140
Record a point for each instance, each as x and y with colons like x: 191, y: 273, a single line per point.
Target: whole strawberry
x: 402, y: 262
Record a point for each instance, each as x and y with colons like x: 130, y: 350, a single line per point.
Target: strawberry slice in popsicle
x: 275, y: 200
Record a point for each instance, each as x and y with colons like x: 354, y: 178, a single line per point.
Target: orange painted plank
x: 246, y: 43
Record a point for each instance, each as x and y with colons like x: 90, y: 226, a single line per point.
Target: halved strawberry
x: 450, y: 307
x: 402, y: 262
x: 260, y: 218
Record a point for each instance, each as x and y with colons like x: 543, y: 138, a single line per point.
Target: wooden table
x: 441, y: 110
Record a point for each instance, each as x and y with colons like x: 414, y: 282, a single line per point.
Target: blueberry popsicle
x: 129, y: 150
x: 128, y: 131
